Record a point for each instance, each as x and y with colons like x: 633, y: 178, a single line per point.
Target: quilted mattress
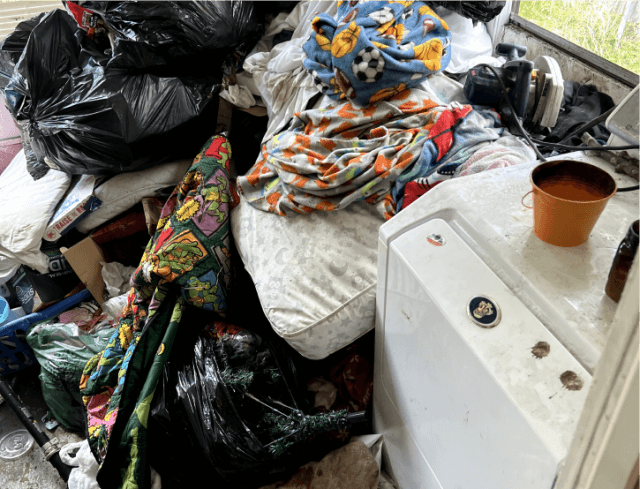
x: 315, y: 274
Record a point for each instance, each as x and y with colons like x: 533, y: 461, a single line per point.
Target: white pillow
x: 26, y: 207
x: 123, y: 191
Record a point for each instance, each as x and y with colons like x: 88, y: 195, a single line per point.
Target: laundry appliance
x: 486, y: 336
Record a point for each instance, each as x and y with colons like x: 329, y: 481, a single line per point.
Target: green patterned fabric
x: 187, y: 261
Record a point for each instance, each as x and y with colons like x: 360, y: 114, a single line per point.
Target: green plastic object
x: 62, y: 350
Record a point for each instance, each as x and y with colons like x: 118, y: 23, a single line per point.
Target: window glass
x: 609, y: 29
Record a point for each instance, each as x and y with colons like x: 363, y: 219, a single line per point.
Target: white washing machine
x: 486, y: 337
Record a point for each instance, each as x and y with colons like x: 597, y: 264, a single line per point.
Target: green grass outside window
x: 591, y: 24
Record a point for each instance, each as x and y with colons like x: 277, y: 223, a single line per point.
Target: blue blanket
x: 374, y: 50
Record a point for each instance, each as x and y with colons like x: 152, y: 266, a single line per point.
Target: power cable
x: 556, y: 145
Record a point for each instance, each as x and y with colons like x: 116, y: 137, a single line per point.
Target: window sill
x: 600, y: 64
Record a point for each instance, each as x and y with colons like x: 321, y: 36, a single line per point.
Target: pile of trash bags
x: 109, y: 87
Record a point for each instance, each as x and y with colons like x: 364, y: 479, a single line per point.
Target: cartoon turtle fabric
x: 374, y: 47
x: 187, y: 262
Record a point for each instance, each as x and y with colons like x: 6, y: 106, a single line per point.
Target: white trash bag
x: 116, y: 278
x: 79, y: 455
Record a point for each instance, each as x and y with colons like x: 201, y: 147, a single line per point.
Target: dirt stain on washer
x: 541, y: 349
x: 571, y: 381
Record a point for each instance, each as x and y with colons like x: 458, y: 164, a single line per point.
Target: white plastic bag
x: 84, y: 475
x: 116, y: 278
x: 113, y: 307
x: 239, y: 95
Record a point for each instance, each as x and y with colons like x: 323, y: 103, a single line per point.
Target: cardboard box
x: 77, y: 204
x: 37, y: 291
x: 152, y: 209
x: 85, y: 258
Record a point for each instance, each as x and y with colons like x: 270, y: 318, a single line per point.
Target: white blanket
x: 279, y: 75
x: 26, y: 207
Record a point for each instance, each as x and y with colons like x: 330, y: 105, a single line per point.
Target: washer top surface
x: 563, y: 287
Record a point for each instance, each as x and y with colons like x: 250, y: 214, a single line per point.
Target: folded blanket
x: 186, y: 262
x: 333, y: 156
x: 376, y: 49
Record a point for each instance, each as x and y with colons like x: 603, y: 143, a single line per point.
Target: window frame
x: 587, y: 57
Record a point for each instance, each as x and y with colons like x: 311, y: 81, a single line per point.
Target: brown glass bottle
x: 622, y: 263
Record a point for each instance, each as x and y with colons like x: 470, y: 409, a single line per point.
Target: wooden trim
x: 593, y: 60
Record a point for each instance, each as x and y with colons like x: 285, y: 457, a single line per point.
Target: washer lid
x: 15, y: 444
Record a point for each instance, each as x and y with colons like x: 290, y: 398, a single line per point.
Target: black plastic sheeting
x: 189, y: 36
x: 141, y: 96
x: 478, y: 11
x: 217, y: 397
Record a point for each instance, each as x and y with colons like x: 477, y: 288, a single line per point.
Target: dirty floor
x: 31, y: 471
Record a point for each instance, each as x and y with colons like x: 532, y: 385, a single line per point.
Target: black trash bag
x: 234, y: 401
x: 81, y: 118
x: 478, y: 11
x: 128, y: 99
x: 183, y: 36
x: 12, y: 46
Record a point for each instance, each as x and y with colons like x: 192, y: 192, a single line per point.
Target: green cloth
x: 187, y: 261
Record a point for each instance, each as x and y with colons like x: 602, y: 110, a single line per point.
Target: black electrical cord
x: 513, y: 111
x: 562, y: 146
x: 597, y: 148
x: 589, y: 125
x: 628, y: 189
x: 586, y: 148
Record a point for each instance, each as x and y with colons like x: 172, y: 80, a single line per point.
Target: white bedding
x: 26, y: 207
x: 470, y: 45
x: 315, y: 274
x: 123, y: 191
x: 278, y: 74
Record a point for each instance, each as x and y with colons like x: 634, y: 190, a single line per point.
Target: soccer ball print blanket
x: 373, y: 50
